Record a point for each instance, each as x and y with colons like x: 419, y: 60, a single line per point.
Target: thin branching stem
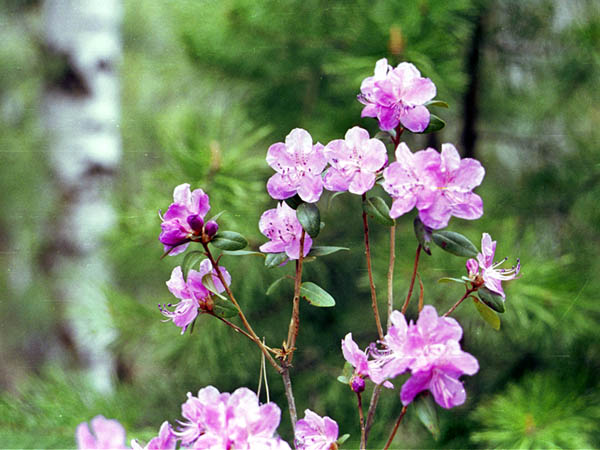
x: 467, y: 293
x: 361, y: 415
x: 372, y: 408
x: 289, y: 393
x: 393, y: 433
x: 370, y: 270
x: 295, y: 320
x: 412, y: 279
x: 390, y: 275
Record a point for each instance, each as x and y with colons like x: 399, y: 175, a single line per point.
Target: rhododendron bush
x: 418, y: 360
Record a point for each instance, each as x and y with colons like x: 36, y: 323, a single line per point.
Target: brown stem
x: 467, y: 293
x: 295, y: 320
x: 412, y: 279
x: 287, y: 383
x: 251, y: 332
x: 369, y: 269
x: 361, y: 415
x: 390, y: 276
x: 372, y: 408
x: 393, y: 433
x: 235, y: 327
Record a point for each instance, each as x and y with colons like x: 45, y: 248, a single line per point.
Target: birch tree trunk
x: 81, y: 111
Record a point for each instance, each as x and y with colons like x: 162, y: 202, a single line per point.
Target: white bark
x: 82, y: 116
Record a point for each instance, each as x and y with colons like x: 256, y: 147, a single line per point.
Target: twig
x: 287, y: 383
x: 469, y: 292
x: 390, y: 276
x: 363, y: 442
x: 295, y: 320
x: 393, y: 433
x: 372, y: 408
x: 412, y: 279
x: 369, y: 269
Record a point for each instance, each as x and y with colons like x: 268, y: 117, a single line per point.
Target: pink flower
x: 106, y: 434
x: 221, y: 421
x: 354, y: 162
x: 438, y: 360
x: 283, y: 229
x: 316, y: 433
x: 166, y: 440
x: 298, y: 164
x: 193, y: 294
x: 397, y: 96
x: 492, y: 276
x: 184, y: 218
x: 439, y: 185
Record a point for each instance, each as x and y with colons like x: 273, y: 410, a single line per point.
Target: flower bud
x: 357, y: 384
x: 211, y: 227
x: 195, y: 222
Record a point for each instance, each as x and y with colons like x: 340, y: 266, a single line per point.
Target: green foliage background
x: 207, y: 87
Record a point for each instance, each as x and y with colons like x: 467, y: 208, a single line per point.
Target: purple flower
x: 183, y: 218
x: 439, y: 185
x: 166, y: 440
x: 283, y: 229
x: 193, y: 294
x: 316, y: 433
x: 222, y: 420
x: 397, y: 96
x: 491, y: 275
x: 105, y: 434
x: 355, y: 356
x: 354, y: 162
x: 298, y: 164
x: 438, y: 360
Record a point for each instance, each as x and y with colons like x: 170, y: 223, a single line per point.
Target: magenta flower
x: 166, y: 440
x: 298, y: 164
x: 439, y: 185
x: 354, y: 162
x: 491, y: 275
x: 222, y: 421
x: 193, y: 294
x: 397, y: 96
x: 184, y: 218
x: 316, y: 433
x: 105, y: 434
x: 438, y: 360
x: 283, y: 229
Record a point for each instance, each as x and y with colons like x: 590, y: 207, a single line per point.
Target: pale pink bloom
x: 355, y: 356
x: 166, y: 440
x: 491, y: 274
x: 184, y: 218
x: 284, y: 230
x: 105, y: 434
x: 354, y: 161
x: 397, y: 96
x: 439, y: 185
x: 225, y: 421
x: 438, y: 360
x: 192, y: 293
x: 298, y: 164
x: 314, y: 432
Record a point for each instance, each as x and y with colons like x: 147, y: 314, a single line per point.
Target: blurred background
x: 106, y: 106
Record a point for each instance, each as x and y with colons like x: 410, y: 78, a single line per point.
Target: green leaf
x: 423, y: 235
x: 242, y: 253
x: 325, y: 250
x: 331, y: 197
x: 427, y: 413
x: 208, y: 283
x: 229, y: 240
x: 440, y: 103
x: 451, y: 280
x: 316, y: 295
x: 224, y: 308
x: 455, y: 243
x: 376, y: 208
x: 294, y: 202
x: 487, y: 314
x: 493, y: 300
x: 190, y: 260
x: 275, y: 259
x: 275, y: 283
x: 216, y: 216
x: 435, y: 124
x: 347, y: 373
x: 343, y: 438
x: 310, y: 218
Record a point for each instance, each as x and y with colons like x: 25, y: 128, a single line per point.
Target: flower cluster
x: 193, y: 294
x: 397, y: 96
x: 429, y: 348
x: 484, y: 268
x: 283, y: 229
x: 316, y: 433
x: 440, y: 185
